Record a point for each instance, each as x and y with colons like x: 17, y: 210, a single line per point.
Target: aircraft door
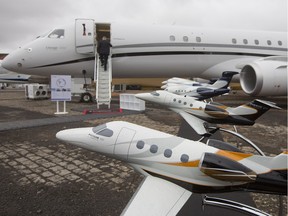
x: 84, y: 36
x: 168, y: 99
x: 123, y: 142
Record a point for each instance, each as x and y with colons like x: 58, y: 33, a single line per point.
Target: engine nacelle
x: 265, y: 77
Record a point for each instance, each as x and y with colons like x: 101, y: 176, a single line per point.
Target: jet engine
x: 265, y: 77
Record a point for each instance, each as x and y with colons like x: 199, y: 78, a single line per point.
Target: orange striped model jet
x: 197, y: 113
x: 175, y: 167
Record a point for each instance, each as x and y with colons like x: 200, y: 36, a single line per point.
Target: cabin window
x: 57, y: 33
x: 168, y: 153
x: 234, y: 41
x: 280, y: 43
x: 185, y: 103
x: 153, y: 148
x: 179, y: 101
x: 184, y: 158
x: 256, y: 42
x: 191, y: 105
x: 185, y: 39
x: 269, y: 42
x: 140, y: 144
x: 174, y: 99
x: 198, y: 39
x: 172, y: 38
x: 245, y: 41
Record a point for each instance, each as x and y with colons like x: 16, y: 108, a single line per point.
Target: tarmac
x: 39, y: 175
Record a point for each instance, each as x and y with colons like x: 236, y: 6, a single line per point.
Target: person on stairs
x: 104, y: 51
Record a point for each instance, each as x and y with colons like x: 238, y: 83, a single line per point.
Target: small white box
x: 130, y: 102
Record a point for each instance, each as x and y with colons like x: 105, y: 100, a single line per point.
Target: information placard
x: 60, y: 88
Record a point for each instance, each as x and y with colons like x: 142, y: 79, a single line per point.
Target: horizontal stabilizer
x: 157, y: 196
x: 268, y: 103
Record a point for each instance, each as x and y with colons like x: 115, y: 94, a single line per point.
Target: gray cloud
x: 22, y: 21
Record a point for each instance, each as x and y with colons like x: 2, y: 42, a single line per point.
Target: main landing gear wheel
x: 86, y: 97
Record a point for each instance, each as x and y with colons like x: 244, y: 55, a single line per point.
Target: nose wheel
x: 86, y: 97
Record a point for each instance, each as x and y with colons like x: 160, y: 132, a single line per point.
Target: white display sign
x: 60, y: 88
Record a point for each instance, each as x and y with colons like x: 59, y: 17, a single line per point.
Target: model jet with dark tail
x: 198, y: 113
x: 199, y: 90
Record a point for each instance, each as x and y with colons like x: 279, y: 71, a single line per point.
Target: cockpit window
x: 43, y: 35
x: 102, y: 130
x: 57, y: 33
x: 155, y: 93
x: 106, y: 132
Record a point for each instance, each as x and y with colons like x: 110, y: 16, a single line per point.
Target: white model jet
x: 197, y: 113
x: 160, y: 51
x: 174, y: 167
x: 199, y: 90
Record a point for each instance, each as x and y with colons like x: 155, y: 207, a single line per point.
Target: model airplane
x: 7, y: 76
x: 198, y: 90
x: 160, y: 51
x: 175, y: 167
x: 197, y: 113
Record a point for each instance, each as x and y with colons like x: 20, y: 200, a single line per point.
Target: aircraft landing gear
x: 86, y: 97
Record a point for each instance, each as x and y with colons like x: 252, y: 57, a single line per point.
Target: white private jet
x: 160, y: 51
x: 7, y: 76
x: 175, y: 167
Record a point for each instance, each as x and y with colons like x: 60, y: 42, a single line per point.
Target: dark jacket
x: 104, y: 47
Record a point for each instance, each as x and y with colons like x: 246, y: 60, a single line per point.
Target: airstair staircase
x: 103, y: 83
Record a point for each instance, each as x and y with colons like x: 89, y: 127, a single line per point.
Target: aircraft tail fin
x: 225, y: 79
x: 254, y: 109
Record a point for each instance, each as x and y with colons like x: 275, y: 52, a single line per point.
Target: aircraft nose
x: 6, y: 64
x: 75, y: 136
x: 63, y: 135
x: 11, y: 63
x: 143, y: 96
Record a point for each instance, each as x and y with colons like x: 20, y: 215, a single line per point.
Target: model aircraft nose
x: 143, y: 96
x: 76, y: 136
x: 99, y: 138
x: 153, y: 97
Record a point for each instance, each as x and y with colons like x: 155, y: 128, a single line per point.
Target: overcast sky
x: 23, y: 20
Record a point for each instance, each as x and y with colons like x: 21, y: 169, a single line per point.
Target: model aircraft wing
x: 196, y: 123
x: 157, y: 196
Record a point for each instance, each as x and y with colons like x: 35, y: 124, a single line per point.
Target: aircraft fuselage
x: 146, y: 51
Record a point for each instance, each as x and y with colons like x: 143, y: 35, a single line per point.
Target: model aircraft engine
x: 225, y: 169
x: 265, y: 77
